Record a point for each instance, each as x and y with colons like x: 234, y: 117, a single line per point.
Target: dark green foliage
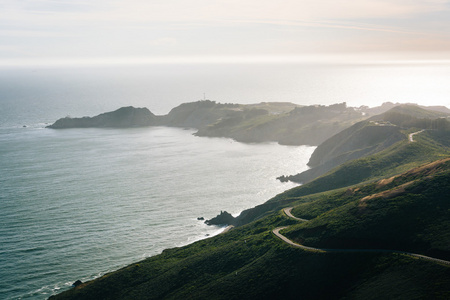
x: 400, y: 218
x: 247, y: 264
x: 381, y: 201
x: 393, y: 160
x: 250, y: 262
x: 398, y: 158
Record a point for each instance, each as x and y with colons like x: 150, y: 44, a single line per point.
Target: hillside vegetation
x: 372, y: 136
x: 124, y: 117
x: 250, y: 262
x: 308, y: 125
x: 408, y: 212
x: 392, y: 199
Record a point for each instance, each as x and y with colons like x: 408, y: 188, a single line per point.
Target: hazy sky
x: 194, y: 30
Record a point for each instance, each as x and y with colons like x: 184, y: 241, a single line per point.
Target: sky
x: 113, y: 31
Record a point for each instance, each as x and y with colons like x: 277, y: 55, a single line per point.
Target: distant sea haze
x: 77, y: 203
x: 41, y: 95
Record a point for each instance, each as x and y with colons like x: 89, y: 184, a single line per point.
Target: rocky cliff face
x: 124, y: 117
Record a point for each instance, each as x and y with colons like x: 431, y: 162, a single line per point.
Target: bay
x: 78, y: 203
x: 75, y: 204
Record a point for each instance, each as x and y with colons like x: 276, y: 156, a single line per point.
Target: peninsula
x: 372, y: 221
x: 282, y: 122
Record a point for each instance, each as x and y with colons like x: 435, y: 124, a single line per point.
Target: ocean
x: 78, y: 203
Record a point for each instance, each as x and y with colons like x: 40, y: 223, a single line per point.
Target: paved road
x: 288, y: 213
x: 276, y: 231
x: 414, y: 133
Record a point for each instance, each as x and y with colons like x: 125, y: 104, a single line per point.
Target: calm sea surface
x: 77, y: 203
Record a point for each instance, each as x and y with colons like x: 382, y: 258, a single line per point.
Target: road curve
x: 276, y: 231
x: 288, y: 213
x: 410, y: 136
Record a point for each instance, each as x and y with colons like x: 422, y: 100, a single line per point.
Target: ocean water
x: 75, y: 204
x: 43, y: 95
x: 78, y: 203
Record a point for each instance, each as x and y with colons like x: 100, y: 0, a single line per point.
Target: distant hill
x: 370, y: 137
x: 122, y: 118
x: 390, y: 194
x: 281, y: 122
x: 285, y: 123
x: 389, y: 105
x: 307, y: 125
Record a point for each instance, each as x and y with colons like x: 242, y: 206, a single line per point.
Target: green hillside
x: 373, y: 136
x: 398, y: 158
x: 360, y: 214
x: 408, y: 212
x: 250, y: 262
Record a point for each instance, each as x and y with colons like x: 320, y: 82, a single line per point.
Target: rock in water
x: 77, y: 283
x: 224, y: 218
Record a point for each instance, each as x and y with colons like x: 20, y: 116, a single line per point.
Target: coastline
x: 76, y: 151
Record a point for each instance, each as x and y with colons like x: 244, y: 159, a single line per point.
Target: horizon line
x: 356, y: 59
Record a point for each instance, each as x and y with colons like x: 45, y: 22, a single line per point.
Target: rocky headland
x: 285, y: 123
x: 124, y: 117
x: 374, y: 226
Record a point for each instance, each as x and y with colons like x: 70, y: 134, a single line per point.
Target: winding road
x: 288, y: 213
x: 410, y: 136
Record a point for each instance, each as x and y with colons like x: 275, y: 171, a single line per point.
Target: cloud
x: 257, y: 10
x: 222, y: 10
x: 28, y: 33
x: 83, y: 28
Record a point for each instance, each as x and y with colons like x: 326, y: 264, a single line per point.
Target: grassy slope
x: 369, y: 137
x: 400, y: 157
x: 309, y: 125
x: 250, y: 262
x: 360, y: 140
x: 409, y: 212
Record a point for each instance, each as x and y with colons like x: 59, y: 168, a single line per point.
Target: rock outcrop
x: 224, y: 218
x: 124, y: 117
